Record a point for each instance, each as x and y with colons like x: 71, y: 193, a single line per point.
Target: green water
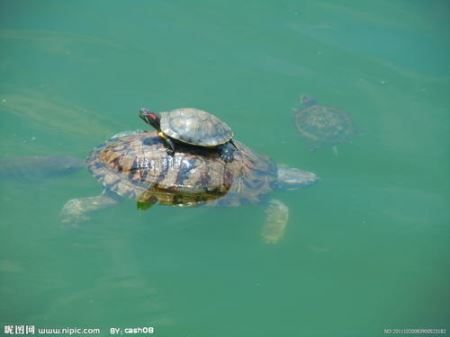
x: 366, y: 249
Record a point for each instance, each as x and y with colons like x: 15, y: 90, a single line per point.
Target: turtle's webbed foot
x: 227, y: 152
x: 73, y: 213
x: 170, y: 152
x: 76, y: 211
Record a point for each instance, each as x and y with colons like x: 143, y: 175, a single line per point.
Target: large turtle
x: 322, y: 124
x: 136, y: 165
x: 191, y: 126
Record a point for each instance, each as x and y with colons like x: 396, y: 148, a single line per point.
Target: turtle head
x: 307, y: 100
x: 291, y: 178
x: 151, y: 118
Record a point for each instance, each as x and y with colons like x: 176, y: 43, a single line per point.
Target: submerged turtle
x: 136, y: 165
x: 192, y: 126
x: 31, y: 168
x: 321, y: 124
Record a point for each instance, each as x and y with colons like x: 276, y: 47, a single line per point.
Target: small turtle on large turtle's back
x: 137, y: 165
x: 194, y: 127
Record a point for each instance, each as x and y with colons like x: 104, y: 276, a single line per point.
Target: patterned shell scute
x: 196, y: 127
x: 136, y: 164
x: 324, y: 124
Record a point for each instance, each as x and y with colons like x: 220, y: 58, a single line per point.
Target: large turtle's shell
x: 195, y: 127
x: 137, y: 163
x: 323, y: 124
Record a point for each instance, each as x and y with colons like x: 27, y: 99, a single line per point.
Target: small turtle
x: 194, y: 127
x: 137, y: 165
x: 321, y: 124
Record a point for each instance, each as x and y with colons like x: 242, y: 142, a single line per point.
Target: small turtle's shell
x: 133, y: 164
x: 323, y: 124
x: 196, y: 127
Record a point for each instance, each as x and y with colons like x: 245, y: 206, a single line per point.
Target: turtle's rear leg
x: 77, y: 210
x: 277, y: 216
x: 227, y: 151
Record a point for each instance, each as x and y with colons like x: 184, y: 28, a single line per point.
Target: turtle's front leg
x: 277, y: 216
x: 77, y: 210
x: 168, y: 143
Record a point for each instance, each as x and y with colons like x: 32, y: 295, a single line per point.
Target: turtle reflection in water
x: 136, y: 164
x: 322, y: 124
